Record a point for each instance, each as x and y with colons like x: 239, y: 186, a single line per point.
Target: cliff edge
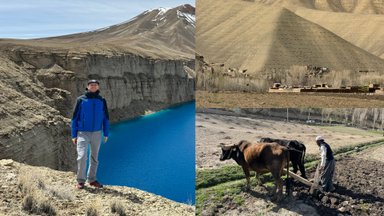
x: 39, y: 190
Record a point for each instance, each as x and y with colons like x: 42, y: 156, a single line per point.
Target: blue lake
x: 154, y: 153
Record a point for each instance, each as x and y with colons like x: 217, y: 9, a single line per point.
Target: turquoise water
x: 154, y: 153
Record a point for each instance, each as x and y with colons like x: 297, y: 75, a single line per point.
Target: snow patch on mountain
x: 190, y: 18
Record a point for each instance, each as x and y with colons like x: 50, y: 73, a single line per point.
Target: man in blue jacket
x: 90, y: 118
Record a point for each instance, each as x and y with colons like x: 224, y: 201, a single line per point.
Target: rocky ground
x: 276, y: 100
x: 38, y: 190
x: 359, y: 188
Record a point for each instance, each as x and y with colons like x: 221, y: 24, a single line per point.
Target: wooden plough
x: 313, y: 185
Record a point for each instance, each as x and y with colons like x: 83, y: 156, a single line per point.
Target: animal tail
x: 288, y: 159
x: 303, y: 155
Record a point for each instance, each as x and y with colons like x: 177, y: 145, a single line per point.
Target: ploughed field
x: 359, y: 188
x: 266, y: 100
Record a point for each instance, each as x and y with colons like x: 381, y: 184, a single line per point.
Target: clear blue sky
x: 43, y: 18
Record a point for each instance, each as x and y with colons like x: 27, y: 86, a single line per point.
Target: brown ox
x: 261, y: 158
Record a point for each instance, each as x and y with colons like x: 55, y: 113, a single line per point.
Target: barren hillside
x: 258, y: 36
x: 362, y: 30
x: 344, y: 6
x: 359, y: 22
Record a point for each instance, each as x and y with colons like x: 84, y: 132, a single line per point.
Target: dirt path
x: 213, y: 129
x: 281, y: 100
x: 376, y: 153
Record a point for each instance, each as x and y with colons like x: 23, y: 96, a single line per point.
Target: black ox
x: 296, y: 151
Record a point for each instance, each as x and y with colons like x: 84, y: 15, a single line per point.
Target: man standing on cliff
x: 90, y: 118
x: 327, y: 165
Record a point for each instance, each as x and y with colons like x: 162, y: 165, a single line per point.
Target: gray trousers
x: 85, y: 139
x: 327, y: 175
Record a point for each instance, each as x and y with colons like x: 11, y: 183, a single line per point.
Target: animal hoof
x: 247, y: 188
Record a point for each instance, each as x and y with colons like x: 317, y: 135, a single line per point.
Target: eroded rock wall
x: 131, y: 85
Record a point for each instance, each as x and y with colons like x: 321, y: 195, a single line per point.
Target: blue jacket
x: 90, y: 114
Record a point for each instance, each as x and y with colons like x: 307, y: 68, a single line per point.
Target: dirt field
x: 359, y: 188
x: 373, y: 154
x: 281, y: 100
x: 213, y: 129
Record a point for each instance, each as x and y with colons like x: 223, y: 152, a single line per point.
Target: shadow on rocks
x: 132, y: 197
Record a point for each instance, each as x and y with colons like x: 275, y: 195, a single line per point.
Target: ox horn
x: 221, y: 145
x: 227, y: 145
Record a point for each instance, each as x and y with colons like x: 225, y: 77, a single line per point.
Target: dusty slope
x: 362, y: 30
x: 358, y: 22
x: 257, y: 36
x: 346, y: 6
x: 18, y: 180
x: 158, y: 33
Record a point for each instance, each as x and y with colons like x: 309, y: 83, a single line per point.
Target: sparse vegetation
x: 36, y: 193
x: 28, y: 203
x: 217, y: 78
x: 33, y: 190
x: 91, y: 211
x: 60, y: 192
x: 118, y: 208
x: 93, y: 208
x: 37, y: 204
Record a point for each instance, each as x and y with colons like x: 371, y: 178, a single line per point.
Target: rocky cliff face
x: 127, y: 81
x: 41, y: 80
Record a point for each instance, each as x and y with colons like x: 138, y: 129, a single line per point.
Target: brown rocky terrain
x: 34, y: 190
